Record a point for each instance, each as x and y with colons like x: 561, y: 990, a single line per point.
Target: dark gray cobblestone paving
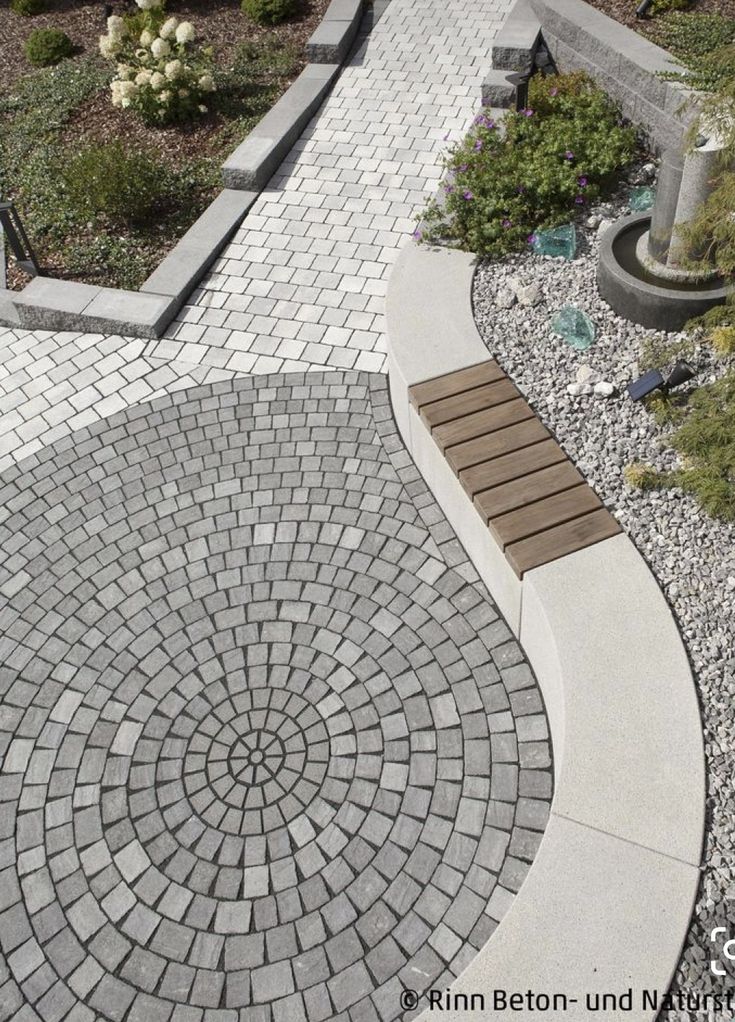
x: 269, y: 752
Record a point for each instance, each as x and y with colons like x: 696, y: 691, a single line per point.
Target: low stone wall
x: 625, y: 64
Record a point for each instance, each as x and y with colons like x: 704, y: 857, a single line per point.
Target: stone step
x: 516, y: 42
x: 497, y: 91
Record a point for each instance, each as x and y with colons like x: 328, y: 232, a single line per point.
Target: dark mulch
x: 220, y: 22
x: 624, y: 11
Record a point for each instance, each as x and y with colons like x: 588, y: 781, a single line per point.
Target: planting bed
x: 50, y: 113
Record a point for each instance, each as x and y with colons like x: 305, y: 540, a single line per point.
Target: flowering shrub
x: 548, y: 162
x: 161, y: 74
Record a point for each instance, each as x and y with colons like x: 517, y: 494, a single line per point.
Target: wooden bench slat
x: 435, y: 413
x: 511, y: 466
x: 503, y: 441
x: 561, y: 540
x: 481, y: 423
x: 528, y: 488
x: 544, y: 514
x: 454, y: 383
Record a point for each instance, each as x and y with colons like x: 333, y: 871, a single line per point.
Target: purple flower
x: 520, y: 189
x: 448, y: 189
x: 582, y: 182
x: 554, y: 91
x: 463, y: 168
x: 531, y: 239
x: 507, y: 223
x: 478, y: 145
x: 417, y: 234
x: 579, y: 200
x: 568, y: 155
x: 527, y: 112
x: 468, y: 195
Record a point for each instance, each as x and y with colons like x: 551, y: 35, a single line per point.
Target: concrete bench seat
x: 607, y: 903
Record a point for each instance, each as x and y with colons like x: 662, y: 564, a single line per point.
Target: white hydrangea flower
x: 164, y: 97
x: 157, y: 80
x: 206, y: 82
x: 185, y: 32
x: 184, y: 93
x: 168, y: 28
x: 202, y: 109
x: 124, y: 71
x: 146, y: 37
x: 115, y: 90
x: 143, y: 78
x: 109, y: 46
x: 128, y: 91
x: 148, y: 5
x: 160, y: 48
x: 115, y: 27
x: 174, y: 69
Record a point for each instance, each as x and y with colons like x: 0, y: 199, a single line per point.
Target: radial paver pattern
x: 269, y: 752
x: 303, y: 283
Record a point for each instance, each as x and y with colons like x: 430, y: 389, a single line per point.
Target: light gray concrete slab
x: 127, y: 312
x: 633, y: 760
x: 595, y: 915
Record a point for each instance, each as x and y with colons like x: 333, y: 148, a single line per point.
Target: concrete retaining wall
x: 625, y: 65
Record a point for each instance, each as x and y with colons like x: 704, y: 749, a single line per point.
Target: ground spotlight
x: 681, y: 373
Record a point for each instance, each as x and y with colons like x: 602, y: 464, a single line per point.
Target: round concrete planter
x: 659, y: 308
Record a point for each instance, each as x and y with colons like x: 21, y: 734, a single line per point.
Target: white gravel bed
x: 692, y: 555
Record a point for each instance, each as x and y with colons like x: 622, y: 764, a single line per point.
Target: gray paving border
x: 624, y: 842
x: 50, y: 304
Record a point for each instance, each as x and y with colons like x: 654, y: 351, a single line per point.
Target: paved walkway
x: 269, y: 751
x: 303, y: 283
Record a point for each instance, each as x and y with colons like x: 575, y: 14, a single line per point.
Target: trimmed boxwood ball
x: 27, y: 7
x: 47, y: 46
x: 270, y: 12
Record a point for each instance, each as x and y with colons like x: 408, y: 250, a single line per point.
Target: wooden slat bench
x: 534, y: 501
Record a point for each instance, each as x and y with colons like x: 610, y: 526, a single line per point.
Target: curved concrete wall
x: 607, y: 903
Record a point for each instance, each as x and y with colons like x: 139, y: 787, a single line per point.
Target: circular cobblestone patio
x: 267, y: 754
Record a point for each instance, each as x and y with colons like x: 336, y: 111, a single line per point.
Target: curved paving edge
x: 607, y: 904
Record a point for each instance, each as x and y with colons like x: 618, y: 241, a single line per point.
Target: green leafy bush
x: 550, y: 161
x: 28, y: 7
x: 109, y: 179
x: 47, y: 46
x: 270, y: 12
